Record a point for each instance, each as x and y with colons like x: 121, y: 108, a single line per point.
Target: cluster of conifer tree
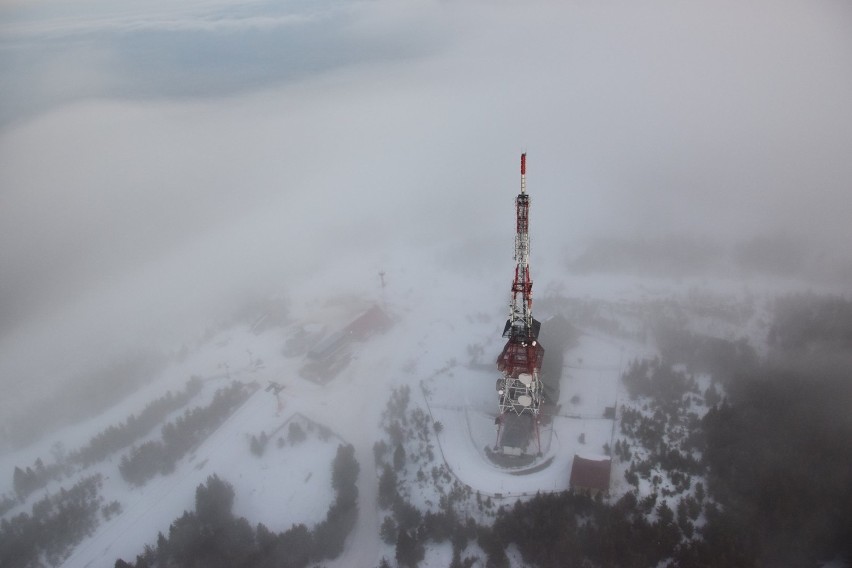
x: 117, y: 437
x: 102, y: 445
x: 412, y: 531
x: 572, y: 529
x: 669, y: 394
x: 26, y: 481
x: 56, y: 524
x: 180, y: 436
x: 409, y: 447
x: 805, y: 322
x: 719, y: 357
x: 212, y: 537
x: 778, y: 449
x: 776, y: 452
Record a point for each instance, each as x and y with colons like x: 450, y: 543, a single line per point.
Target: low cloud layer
x: 157, y: 163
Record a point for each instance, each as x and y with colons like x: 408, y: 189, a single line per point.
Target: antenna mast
x: 520, y: 391
x: 520, y: 306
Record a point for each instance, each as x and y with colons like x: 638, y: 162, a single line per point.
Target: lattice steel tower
x: 520, y: 389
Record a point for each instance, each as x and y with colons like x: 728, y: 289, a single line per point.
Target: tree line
x: 117, y: 437
x: 180, y: 436
x: 778, y: 447
x: 212, y: 537
x: 775, y: 450
x: 57, y: 523
x: 32, y: 478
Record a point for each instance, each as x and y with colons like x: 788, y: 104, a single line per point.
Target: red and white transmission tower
x: 519, y: 389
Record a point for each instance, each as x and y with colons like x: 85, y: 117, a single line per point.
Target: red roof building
x: 591, y: 474
x: 370, y: 322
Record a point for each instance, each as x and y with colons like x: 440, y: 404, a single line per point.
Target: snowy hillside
x: 277, y: 442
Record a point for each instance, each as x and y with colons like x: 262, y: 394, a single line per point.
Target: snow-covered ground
x: 445, y: 336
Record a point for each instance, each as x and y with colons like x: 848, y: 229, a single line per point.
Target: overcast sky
x: 158, y: 159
